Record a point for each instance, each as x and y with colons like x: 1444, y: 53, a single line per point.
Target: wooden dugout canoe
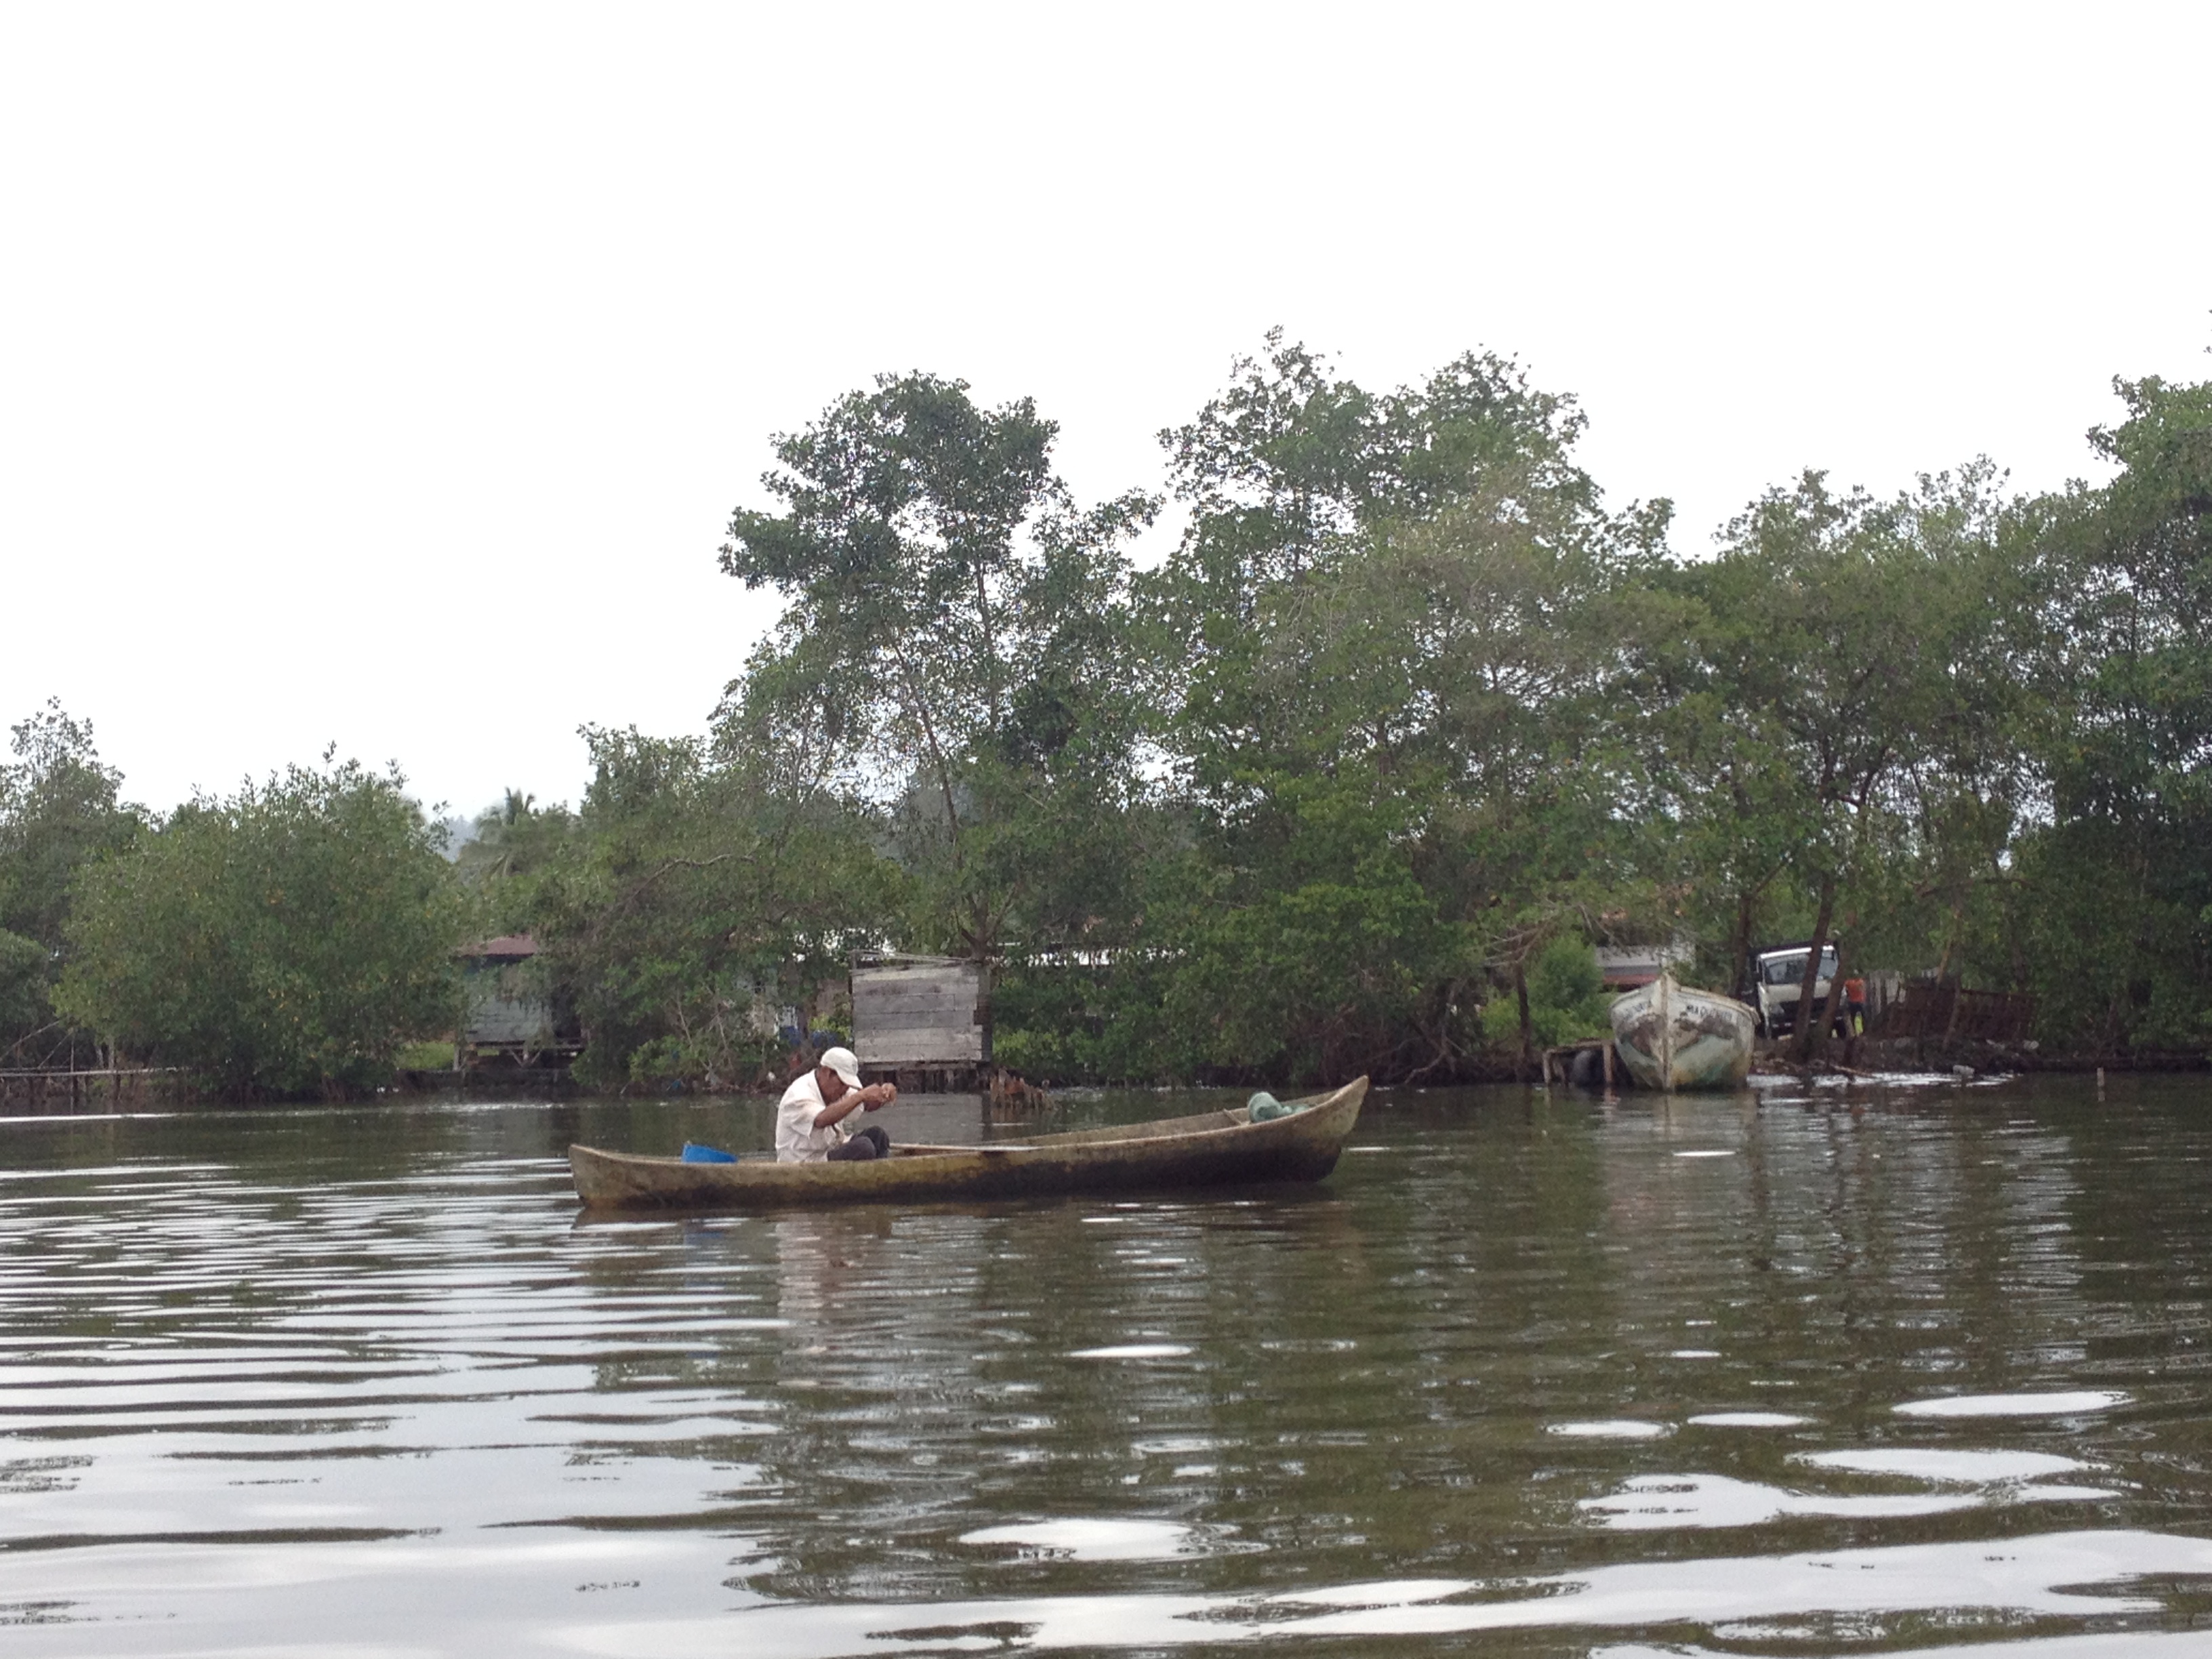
x: 1212, y: 1148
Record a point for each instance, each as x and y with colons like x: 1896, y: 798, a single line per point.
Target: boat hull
x: 1672, y: 1037
x: 1212, y: 1148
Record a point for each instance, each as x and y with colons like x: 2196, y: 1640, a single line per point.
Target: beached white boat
x: 1672, y: 1037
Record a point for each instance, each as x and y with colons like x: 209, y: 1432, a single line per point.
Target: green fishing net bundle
x: 1264, y: 1106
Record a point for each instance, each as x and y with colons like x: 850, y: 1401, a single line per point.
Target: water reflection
x: 1650, y: 1503
x: 355, y: 1380
x: 1841, y: 1598
x: 2075, y: 1403
x: 1750, y: 1420
x: 1094, y: 1541
x: 1972, y: 1468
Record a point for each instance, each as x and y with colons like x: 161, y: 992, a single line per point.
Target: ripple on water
x: 1750, y: 1420
x: 1933, y: 1463
x: 1177, y: 1445
x: 1867, y: 1595
x: 291, y: 1380
x: 2079, y: 1403
x: 1649, y: 1503
x: 1093, y: 1540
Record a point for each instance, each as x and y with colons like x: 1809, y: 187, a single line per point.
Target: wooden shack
x: 921, y: 1022
x: 510, y: 1019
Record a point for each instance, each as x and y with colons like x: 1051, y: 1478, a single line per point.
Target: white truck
x: 1777, y: 980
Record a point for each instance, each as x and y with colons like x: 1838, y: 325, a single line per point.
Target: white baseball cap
x: 845, y: 1063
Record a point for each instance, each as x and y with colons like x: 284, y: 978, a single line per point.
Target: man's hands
x: 841, y: 1101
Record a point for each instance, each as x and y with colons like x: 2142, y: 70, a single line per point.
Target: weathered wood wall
x: 1941, y: 1009
x: 920, y: 1010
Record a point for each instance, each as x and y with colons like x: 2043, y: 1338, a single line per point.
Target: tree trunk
x: 1803, y: 1048
x: 1527, y: 1026
x: 1836, y: 996
x: 1740, y: 944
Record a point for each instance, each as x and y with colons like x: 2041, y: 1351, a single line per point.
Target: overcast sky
x: 384, y: 375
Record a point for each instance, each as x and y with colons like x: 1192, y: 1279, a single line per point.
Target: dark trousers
x: 866, y: 1143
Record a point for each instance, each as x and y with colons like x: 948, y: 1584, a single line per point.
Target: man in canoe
x: 811, y: 1119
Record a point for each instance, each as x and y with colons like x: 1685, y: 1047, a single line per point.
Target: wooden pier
x: 1567, y: 1051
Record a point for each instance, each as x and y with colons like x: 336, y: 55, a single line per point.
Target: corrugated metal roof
x: 512, y: 945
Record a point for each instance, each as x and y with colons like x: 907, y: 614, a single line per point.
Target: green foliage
x: 1388, y: 639
x: 1349, y: 782
x: 692, y: 898
x: 1411, y: 715
x: 514, y: 842
x: 952, y: 633
x: 25, y: 976
x: 288, y: 940
x: 2114, y: 894
x: 1567, y: 999
x: 1062, y: 1020
x: 58, y: 812
x: 1836, y: 727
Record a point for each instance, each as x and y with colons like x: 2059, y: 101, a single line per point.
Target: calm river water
x: 1899, y: 1369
